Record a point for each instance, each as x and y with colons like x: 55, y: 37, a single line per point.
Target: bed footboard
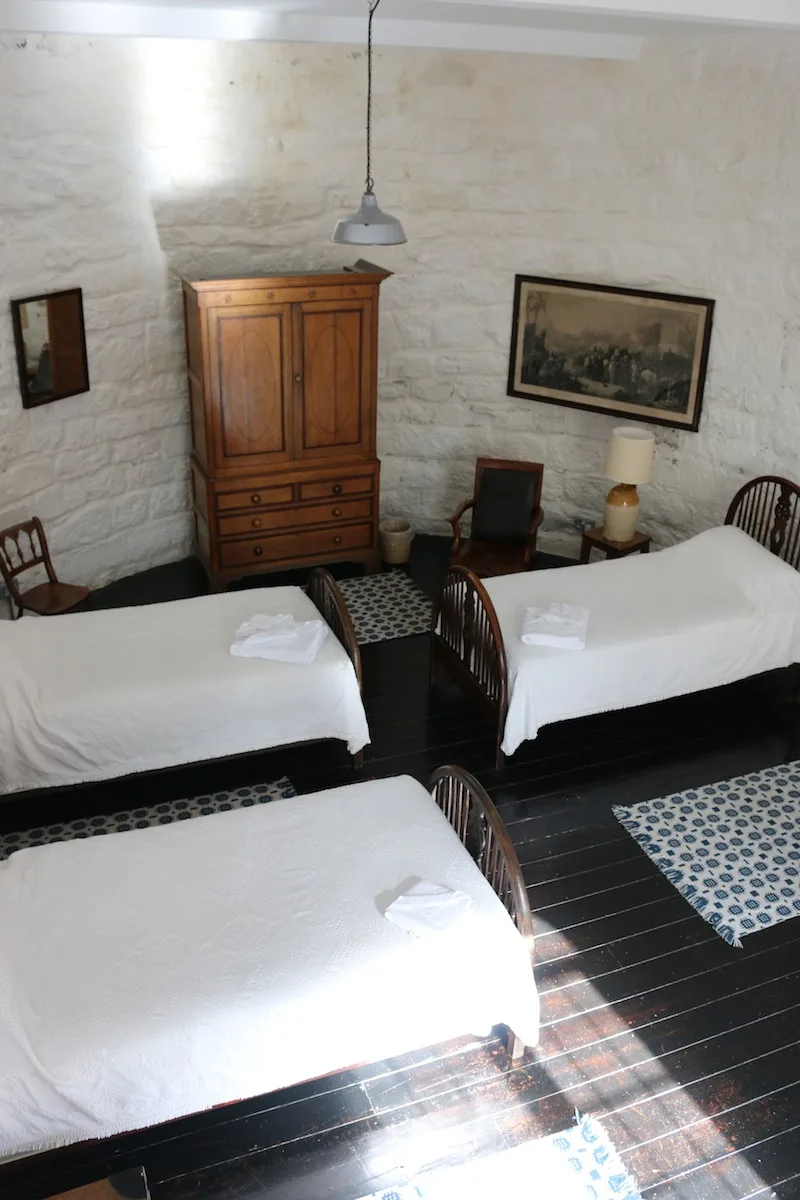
x: 467, y: 641
x: 472, y: 813
x: 325, y: 595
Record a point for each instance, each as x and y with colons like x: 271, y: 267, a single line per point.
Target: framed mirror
x: 51, y: 346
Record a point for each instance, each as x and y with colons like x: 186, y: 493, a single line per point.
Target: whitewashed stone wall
x: 124, y: 163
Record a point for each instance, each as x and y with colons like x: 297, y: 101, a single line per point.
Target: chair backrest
x: 507, y: 494
x: 22, y: 547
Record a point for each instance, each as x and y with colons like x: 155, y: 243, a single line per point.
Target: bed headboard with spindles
x: 768, y: 509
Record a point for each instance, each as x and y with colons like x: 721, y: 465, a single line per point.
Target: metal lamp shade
x: 369, y: 226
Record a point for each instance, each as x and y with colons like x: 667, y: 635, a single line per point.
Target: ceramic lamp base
x: 622, y: 513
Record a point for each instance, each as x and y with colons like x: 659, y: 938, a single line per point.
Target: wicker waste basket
x: 396, y: 535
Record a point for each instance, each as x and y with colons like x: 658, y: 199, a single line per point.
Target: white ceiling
x: 585, y: 28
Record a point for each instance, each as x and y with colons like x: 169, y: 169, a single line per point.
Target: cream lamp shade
x: 629, y: 460
x: 630, y: 455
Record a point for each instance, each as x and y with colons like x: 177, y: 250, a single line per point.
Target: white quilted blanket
x: 712, y: 610
x: 99, y: 694
x: 149, y: 974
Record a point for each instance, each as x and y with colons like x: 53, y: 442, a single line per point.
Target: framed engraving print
x: 634, y: 354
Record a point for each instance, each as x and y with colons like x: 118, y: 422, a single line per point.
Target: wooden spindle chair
x: 23, y: 547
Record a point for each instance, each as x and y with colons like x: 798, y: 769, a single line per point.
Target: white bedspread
x: 100, y: 694
x: 712, y: 610
x: 154, y: 973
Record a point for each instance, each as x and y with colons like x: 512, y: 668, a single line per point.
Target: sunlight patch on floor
x: 633, y: 1091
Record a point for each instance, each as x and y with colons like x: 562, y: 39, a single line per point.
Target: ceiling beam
x: 458, y: 35
x: 764, y: 14
x: 262, y: 24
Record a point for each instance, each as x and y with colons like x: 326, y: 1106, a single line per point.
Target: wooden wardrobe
x: 283, y: 391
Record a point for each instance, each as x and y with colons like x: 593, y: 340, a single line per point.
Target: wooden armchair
x: 22, y: 547
x: 505, y: 520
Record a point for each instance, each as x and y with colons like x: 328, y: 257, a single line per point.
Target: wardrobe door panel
x: 333, y: 378
x: 250, y: 379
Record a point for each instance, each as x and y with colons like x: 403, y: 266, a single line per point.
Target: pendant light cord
x: 373, y: 5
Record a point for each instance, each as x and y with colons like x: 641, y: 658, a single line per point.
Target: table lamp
x: 630, y: 461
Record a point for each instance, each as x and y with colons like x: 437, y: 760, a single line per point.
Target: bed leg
x: 516, y: 1049
x: 358, y: 761
x: 500, y: 758
x: 433, y: 664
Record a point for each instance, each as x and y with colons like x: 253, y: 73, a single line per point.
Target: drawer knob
x: 337, y: 512
x: 256, y: 522
x: 337, y: 540
x: 258, y: 551
x: 255, y: 498
x: 298, y: 378
x: 337, y: 489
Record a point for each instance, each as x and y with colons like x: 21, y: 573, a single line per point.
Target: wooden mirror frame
x: 78, y: 343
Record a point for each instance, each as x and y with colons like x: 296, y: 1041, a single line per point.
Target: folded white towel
x: 279, y: 638
x: 428, y: 908
x: 560, y: 625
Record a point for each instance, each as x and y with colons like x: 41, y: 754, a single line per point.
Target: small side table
x: 593, y: 539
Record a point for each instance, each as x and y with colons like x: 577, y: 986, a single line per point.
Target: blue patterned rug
x: 140, y: 818
x: 578, y: 1164
x: 732, y: 848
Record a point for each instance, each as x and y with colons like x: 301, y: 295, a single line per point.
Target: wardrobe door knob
x: 337, y: 540
x: 337, y: 489
x: 256, y: 522
x: 337, y: 512
x: 255, y: 498
x: 258, y: 551
x: 298, y: 378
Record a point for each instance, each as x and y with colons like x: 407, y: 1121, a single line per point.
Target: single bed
x: 155, y: 973
x: 96, y: 695
x: 715, y: 609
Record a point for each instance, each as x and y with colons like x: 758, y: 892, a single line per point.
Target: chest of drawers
x: 244, y: 527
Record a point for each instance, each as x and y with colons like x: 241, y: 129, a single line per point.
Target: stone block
x: 131, y: 509
x: 168, y: 499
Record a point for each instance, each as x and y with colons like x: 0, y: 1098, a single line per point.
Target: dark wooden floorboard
x: 687, y: 1049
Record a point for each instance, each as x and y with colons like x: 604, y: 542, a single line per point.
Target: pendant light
x: 369, y: 226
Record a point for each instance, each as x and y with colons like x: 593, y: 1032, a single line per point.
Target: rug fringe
x: 596, y: 1126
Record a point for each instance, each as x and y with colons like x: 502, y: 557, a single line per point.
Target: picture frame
x: 631, y: 353
x: 50, y: 340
